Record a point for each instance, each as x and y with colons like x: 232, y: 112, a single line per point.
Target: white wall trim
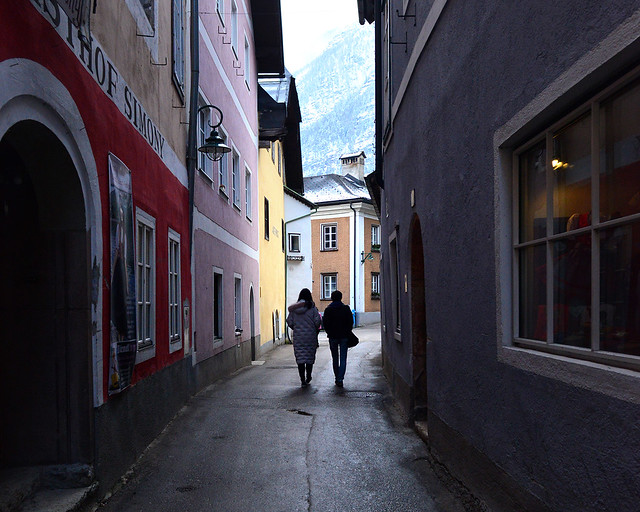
x: 204, y: 223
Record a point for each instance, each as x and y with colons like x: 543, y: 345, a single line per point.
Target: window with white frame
x: 294, y: 242
x: 145, y: 280
x: 235, y: 179
x: 329, y: 237
x: 234, y: 27
x: 247, y: 193
x: 237, y: 302
x: 205, y: 164
x: 218, y: 304
x: 220, y: 10
x: 272, y: 149
x: 247, y: 63
x: 175, y: 318
x: 223, y: 167
x: 329, y: 285
x: 577, y: 232
x: 375, y: 236
x: 177, y: 32
x: 375, y: 283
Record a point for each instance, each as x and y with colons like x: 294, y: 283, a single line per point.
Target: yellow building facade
x: 272, y: 244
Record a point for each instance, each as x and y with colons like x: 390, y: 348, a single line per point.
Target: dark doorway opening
x: 252, y: 323
x: 419, y: 323
x: 44, y: 303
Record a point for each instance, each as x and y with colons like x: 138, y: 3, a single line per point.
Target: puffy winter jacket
x: 305, y: 323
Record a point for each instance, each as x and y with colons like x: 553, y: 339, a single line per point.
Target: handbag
x: 352, y: 340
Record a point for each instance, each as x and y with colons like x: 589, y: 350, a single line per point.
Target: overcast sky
x: 308, y: 25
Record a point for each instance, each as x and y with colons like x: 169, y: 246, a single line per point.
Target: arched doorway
x: 419, y: 323
x: 44, y: 303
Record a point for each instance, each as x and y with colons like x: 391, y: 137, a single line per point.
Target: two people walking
x: 304, y: 319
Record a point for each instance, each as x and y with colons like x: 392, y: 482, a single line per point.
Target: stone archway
x: 44, y: 302
x: 418, y: 324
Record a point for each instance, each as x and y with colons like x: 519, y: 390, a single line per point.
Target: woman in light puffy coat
x: 304, y: 319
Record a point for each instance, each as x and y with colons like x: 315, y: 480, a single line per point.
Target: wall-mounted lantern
x: 214, y: 146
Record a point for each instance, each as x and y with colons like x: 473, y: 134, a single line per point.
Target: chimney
x: 353, y: 164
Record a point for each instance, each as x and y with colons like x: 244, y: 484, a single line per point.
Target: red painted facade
x: 28, y: 34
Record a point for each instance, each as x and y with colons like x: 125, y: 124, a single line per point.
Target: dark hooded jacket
x: 337, y: 320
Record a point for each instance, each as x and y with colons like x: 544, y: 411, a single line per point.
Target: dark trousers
x: 301, y: 370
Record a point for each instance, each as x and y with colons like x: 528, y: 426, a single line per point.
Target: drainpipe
x: 191, y: 149
x: 193, y: 114
x: 286, y: 269
x: 355, y: 260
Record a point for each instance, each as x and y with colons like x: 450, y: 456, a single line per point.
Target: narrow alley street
x: 257, y: 441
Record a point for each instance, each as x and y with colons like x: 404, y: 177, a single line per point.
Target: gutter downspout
x: 286, y: 268
x: 194, y: 43
x: 355, y: 260
x: 193, y: 114
x: 377, y: 9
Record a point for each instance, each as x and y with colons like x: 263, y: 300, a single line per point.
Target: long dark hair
x: 305, y: 295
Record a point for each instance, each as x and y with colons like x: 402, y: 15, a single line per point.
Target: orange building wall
x: 331, y: 261
x: 370, y: 266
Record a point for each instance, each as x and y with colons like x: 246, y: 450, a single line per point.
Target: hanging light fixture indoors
x: 214, y: 146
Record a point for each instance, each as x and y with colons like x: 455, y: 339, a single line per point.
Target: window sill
x: 205, y: 175
x: 397, y: 335
x: 237, y: 208
x: 596, y: 376
x: 145, y: 353
x: 328, y: 250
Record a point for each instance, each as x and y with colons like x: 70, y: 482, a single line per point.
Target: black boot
x: 309, y: 369
x: 303, y: 382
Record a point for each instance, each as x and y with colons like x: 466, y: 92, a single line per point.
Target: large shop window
x: 577, y: 232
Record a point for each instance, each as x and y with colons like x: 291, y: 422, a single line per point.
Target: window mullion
x: 595, y: 221
x: 549, y: 245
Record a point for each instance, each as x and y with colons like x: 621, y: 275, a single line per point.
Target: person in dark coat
x: 338, y: 322
x: 304, y: 319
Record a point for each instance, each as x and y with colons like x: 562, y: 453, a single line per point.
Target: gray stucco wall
x: 570, y: 447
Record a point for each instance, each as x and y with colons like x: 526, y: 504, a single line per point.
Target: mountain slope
x: 337, y: 100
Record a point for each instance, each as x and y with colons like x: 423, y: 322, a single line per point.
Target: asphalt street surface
x: 258, y: 441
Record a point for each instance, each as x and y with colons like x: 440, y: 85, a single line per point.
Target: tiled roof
x: 331, y: 188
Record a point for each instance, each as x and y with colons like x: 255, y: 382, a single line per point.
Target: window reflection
x: 571, y: 163
x: 620, y: 289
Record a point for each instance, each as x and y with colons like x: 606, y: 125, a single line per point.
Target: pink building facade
x: 225, y: 213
